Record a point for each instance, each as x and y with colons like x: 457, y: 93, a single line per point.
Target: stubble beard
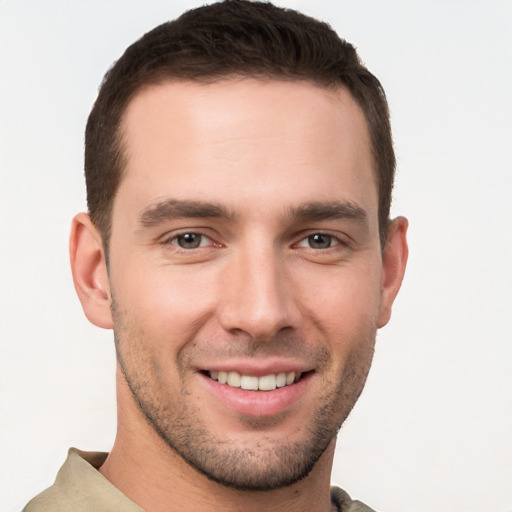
x: 267, y: 463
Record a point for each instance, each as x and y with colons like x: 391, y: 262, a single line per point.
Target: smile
x: 251, y: 383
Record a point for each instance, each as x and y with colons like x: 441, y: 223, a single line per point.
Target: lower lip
x: 258, y: 403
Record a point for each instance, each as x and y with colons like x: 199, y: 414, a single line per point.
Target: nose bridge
x: 258, y: 299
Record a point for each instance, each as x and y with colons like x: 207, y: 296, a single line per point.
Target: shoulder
x: 344, y: 503
x: 79, y: 487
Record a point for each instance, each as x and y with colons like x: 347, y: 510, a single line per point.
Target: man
x: 239, y: 168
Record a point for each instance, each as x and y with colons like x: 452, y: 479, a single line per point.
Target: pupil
x: 189, y: 240
x: 319, y: 241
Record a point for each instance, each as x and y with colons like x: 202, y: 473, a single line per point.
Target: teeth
x: 267, y: 383
x: 234, y: 379
x: 281, y: 380
x: 250, y: 383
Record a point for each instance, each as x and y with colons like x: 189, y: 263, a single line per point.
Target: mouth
x: 253, y: 391
x: 268, y: 382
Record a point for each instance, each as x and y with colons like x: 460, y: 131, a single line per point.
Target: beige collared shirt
x: 80, y: 487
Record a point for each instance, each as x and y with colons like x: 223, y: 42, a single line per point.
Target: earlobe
x: 89, y: 269
x: 394, y: 261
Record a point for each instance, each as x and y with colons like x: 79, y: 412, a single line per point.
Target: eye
x: 190, y: 240
x: 319, y: 241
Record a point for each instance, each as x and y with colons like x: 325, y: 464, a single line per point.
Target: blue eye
x: 189, y: 240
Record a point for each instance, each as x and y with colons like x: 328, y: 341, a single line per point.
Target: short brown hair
x: 227, y: 39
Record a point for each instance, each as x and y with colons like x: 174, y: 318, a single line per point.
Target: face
x: 246, y: 272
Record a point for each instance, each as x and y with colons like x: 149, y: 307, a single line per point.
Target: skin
x: 276, y: 181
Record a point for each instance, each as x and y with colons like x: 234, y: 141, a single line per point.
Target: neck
x: 157, y: 479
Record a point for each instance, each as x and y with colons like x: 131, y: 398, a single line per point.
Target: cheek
x: 164, y: 299
x: 347, y: 305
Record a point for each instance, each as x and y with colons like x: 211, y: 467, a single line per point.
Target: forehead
x: 238, y: 141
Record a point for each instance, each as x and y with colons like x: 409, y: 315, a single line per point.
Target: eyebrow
x: 162, y: 211
x: 328, y: 210
x: 157, y: 213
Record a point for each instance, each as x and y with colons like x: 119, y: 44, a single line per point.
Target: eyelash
x: 333, y: 241
x: 174, y: 240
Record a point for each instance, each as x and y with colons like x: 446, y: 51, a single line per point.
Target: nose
x: 258, y: 295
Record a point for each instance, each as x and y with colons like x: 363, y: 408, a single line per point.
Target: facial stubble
x: 264, y: 462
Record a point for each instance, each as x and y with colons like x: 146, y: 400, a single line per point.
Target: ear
x: 394, y: 261
x: 89, y: 269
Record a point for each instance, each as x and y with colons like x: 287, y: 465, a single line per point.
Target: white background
x: 433, y: 430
